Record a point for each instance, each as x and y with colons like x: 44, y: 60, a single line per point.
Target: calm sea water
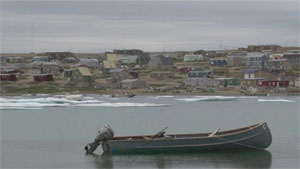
x: 54, y: 137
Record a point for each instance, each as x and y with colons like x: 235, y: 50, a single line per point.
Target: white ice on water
x: 62, y: 101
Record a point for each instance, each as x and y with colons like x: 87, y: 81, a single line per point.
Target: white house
x: 193, y: 58
x: 91, y: 63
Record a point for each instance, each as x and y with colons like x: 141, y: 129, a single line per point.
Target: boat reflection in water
x: 228, y: 159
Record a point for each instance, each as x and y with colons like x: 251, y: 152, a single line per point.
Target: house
x: 161, y: 75
x: 293, y: 59
x: 274, y: 83
x: 49, y: 67
x: 68, y: 72
x: 70, y: 60
x: 118, y: 74
x: 43, y: 77
x: 275, y: 56
x: 256, y: 59
x: 110, y: 63
x: 112, y: 57
x: 59, y: 55
x: 199, y: 78
x: 41, y: 59
x: 218, y: 62
x: 259, y: 73
x: 107, y: 65
x: 81, y: 74
x: 200, y: 82
x: 8, y: 77
x: 38, y: 60
x: 127, y: 59
x: 235, y: 60
x: 15, y: 59
x: 142, y: 57
x: 132, y: 84
x: 11, y: 71
x: 250, y: 83
x: 18, y: 66
x: 199, y: 74
x: 161, y: 62
x: 91, y: 63
x: 252, y: 77
x: 295, y: 82
x: 193, y: 58
x: 277, y: 64
x: 185, y: 69
x: 224, y: 82
x: 3, y: 59
x: 134, y: 74
x: 260, y: 48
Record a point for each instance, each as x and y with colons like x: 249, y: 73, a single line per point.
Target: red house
x: 11, y: 71
x: 8, y: 77
x: 43, y: 77
x: 185, y: 70
x: 274, y: 83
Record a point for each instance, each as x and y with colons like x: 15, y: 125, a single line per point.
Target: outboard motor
x: 104, y: 134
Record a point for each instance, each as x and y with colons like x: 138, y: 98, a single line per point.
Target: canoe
x: 256, y: 136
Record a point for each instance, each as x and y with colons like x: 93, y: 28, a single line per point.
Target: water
x: 35, y: 135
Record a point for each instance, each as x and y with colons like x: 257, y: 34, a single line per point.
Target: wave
x: 157, y: 97
x: 248, y: 97
x: 122, y: 104
x: 38, y: 103
x: 275, y: 100
x: 46, y: 100
x: 20, y: 108
x: 208, y: 98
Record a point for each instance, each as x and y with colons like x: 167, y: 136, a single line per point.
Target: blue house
x: 255, y: 59
x: 218, y: 62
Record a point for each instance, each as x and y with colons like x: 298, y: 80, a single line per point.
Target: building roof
x: 255, y: 79
x: 291, y: 55
x: 41, y: 57
x: 225, y: 78
x: 129, y: 80
x: 88, y: 60
x: 165, y: 60
x: 116, y: 70
x: 254, y: 54
x: 49, y: 63
x: 109, y: 64
x: 72, y: 69
x: 84, y: 71
x: 47, y: 74
x: 220, y: 58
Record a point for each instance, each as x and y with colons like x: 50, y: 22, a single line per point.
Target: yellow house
x: 112, y: 58
x: 109, y: 64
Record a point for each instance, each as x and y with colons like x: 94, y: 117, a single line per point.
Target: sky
x: 150, y: 25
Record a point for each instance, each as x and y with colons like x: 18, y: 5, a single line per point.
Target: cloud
x: 97, y: 26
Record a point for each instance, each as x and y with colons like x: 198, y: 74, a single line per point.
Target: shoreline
x: 126, y: 93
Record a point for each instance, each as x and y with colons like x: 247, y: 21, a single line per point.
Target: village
x: 256, y: 70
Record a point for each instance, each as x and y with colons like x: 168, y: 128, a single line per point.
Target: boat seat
x: 147, y: 138
x: 214, y: 133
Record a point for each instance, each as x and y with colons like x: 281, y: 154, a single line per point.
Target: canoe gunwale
x: 202, y: 145
x: 192, y: 136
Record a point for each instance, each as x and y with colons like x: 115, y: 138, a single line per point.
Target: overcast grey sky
x: 97, y: 26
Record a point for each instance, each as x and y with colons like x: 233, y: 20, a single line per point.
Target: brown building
x: 260, y: 48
